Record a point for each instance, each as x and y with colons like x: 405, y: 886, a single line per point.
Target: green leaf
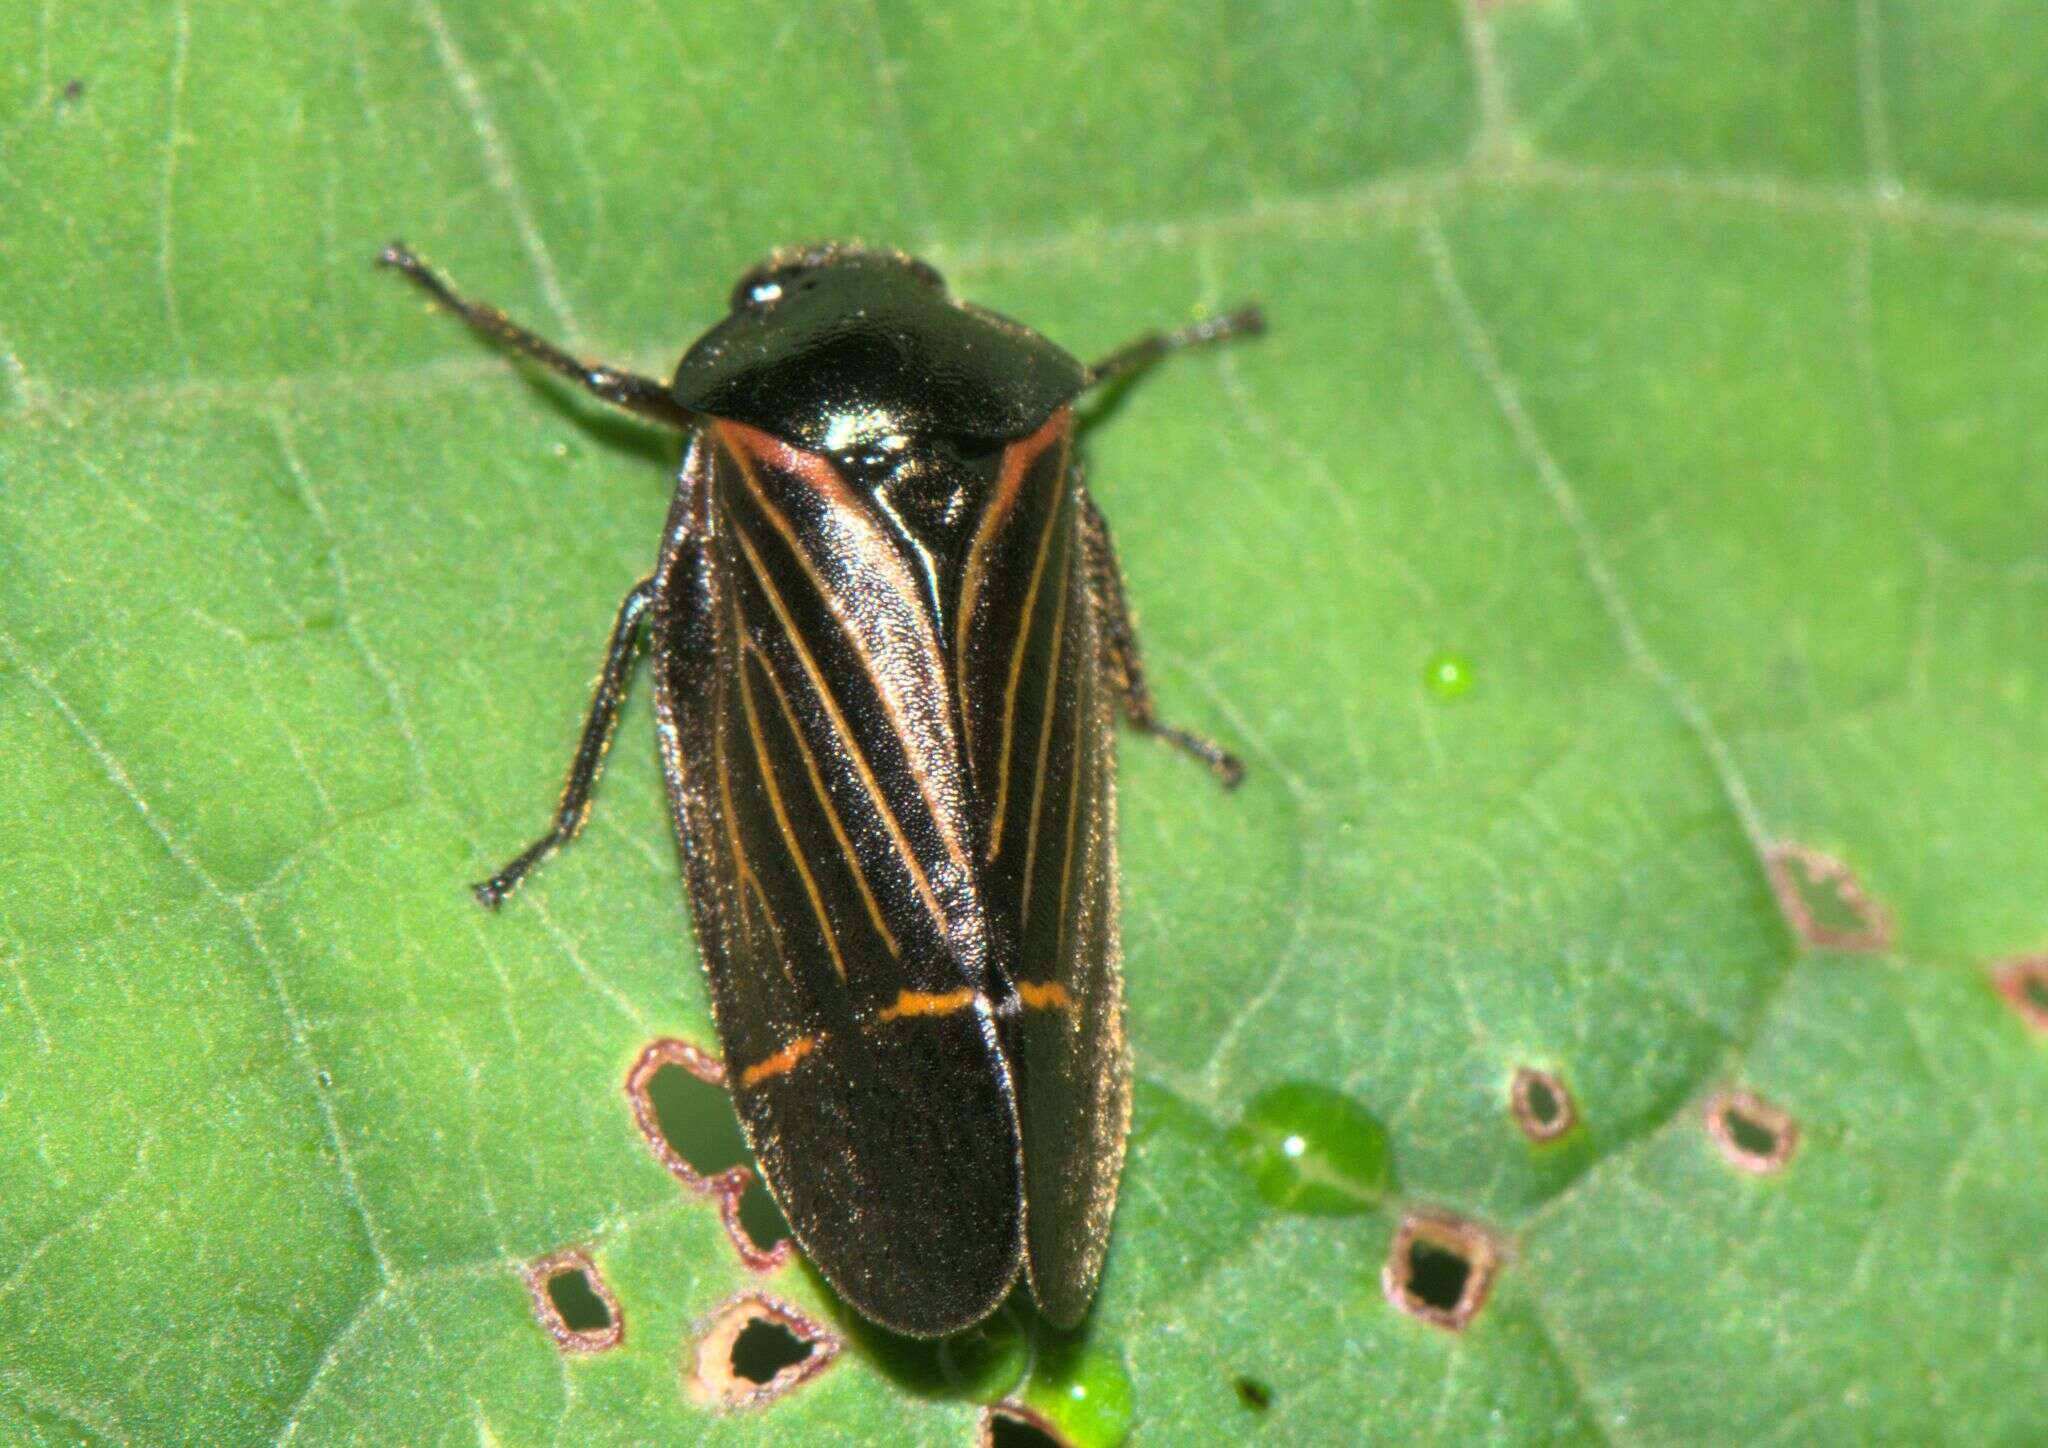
x: 1644, y: 473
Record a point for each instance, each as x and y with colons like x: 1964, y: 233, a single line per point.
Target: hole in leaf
x: 695, y: 1118
x: 1543, y: 1107
x: 577, y: 1303
x: 1253, y: 1394
x: 766, y: 1229
x: 1438, y: 1276
x: 1012, y: 1425
x: 1751, y: 1136
x: 2024, y: 984
x: 756, y: 1349
x: 1750, y: 1133
x: 1824, y: 901
x: 680, y: 1103
x: 573, y: 1303
x: 765, y: 1348
x: 1440, y: 1269
x: 681, y: 1106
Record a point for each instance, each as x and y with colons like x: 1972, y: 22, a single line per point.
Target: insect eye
x: 760, y: 289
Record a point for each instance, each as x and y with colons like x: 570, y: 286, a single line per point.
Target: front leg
x: 642, y: 396
x: 574, y: 809
x: 1120, y: 644
x: 1137, y: 355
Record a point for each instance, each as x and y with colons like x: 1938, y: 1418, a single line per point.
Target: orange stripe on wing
x: 843, y: 729
x: 1059, y: 638
x: 1045, y: 995
x: 746, y: 444
x: 846, y: 849
x: 995, y: 832
x: 924, y: 1003
x: 789, y: 839
x: 1017, y: 460
x: 1075, y: 763
x: 782, y: 1061
x: 749, y: 881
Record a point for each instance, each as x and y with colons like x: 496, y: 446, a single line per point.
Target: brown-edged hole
x: 2024, y: 984
x: 1542, y: 1105
x: 695, y: 1117
x: 1751, y: 1136
x: 574, y: 1305
x: 1751, y: 1133
x: 1438, y: 1275
x: 764, y: 1348
x: 760, y: 1218
x: 1440, y: 1268
x: 1824, y: 901
x: 1012, y: 1425
x: 682, y: 1107
x: 755, y: 1349
x: 577, y: 1303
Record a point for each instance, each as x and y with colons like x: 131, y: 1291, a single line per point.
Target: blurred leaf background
x: 1645, y: 466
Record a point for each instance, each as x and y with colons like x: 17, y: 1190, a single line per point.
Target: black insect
x: 889, y: 639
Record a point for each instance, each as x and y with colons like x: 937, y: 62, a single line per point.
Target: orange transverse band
x: 781, y: 1061
x: 919, y: 1003
x: 1044, y: 995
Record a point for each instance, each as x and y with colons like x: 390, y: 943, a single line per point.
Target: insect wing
x: 1041, y: 746
x: 816, y: 784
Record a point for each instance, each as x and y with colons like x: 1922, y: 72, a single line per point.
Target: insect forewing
x: 804, y: 710
x: 1042, y: 757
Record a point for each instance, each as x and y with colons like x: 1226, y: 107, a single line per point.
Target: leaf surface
x: 1644, y: 473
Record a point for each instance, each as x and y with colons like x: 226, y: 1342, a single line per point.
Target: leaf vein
x: 497, y: 157
x: 166, y: 242
x: 295, y: 1023
x: 1485, y: 359
x: 352, y: 629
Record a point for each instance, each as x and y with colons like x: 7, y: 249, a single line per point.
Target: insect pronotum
x: 889, y: 640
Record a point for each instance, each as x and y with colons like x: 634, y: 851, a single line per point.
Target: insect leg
x: 1120, y: 641
x: 574, y: 809
x: 1142, y: 352
x: 641, y: 395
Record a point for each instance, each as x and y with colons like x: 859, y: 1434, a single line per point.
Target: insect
x: 889, y: 637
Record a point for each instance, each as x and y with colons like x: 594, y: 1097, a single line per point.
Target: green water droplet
x: 1449, y: 675
x: 1084, y: 1393
x: 1314, y: 1150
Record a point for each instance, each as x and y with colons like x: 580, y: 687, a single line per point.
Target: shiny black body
x: 819, y: 336
x: 889, y: 640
